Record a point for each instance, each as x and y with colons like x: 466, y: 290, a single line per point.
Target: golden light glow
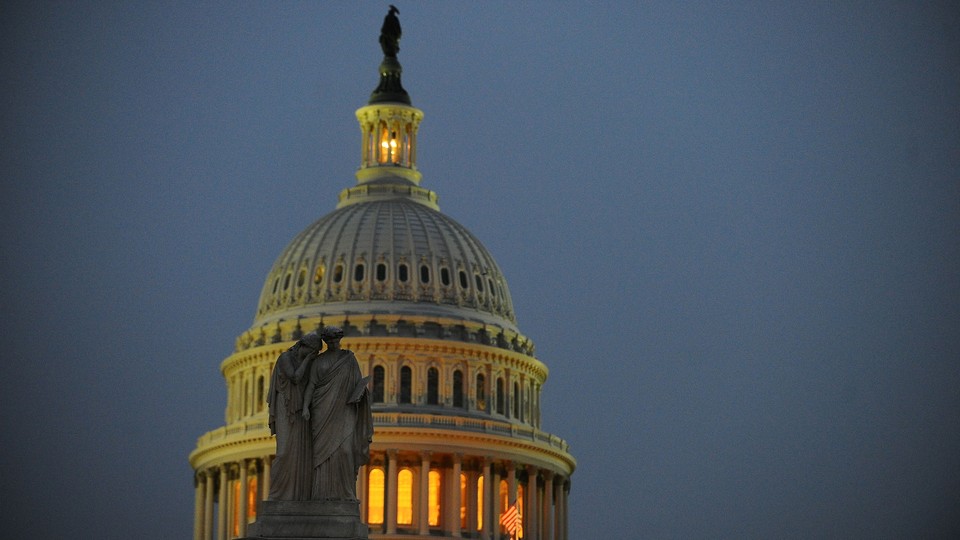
x: 405, y: 497
x: 463, y: 501
x: 375, y: 497
x: 480, y: 503
x: 251, y: 499
x: 433, y: 498
x: 235, y: 526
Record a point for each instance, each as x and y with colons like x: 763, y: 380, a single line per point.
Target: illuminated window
x: 338, y: 273
x: 405, y: 497
x: 433, y: 498
x: 504, y: 497
x: 375, y: 496
x: 463, y: 501
x: 406, y: 374
x: 235, y: 526
x: 433, y: 383
x: 481, y: 392
x: 378, y: 375
x: 318, y: 274
x: 480, y: 503
x: 458, y: 388
x: 251, y: 499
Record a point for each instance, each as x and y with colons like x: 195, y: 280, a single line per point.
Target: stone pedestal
x: 308, y: 520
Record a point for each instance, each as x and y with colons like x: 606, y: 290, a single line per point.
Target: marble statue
x: 291, y: 473
x: 336, y: 403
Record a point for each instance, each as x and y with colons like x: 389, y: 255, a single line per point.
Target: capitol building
x: 455, y: 386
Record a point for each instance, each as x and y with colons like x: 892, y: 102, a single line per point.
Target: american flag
x: 510, y: 519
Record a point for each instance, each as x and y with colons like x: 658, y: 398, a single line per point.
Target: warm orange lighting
x: 433, y: 498
x: 252, y: 499
x: 405, y: 497
x: 480, y: 503
x: 463, y: 501
x: 375, y: 497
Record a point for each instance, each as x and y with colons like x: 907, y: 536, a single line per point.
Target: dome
x: 387, y: 253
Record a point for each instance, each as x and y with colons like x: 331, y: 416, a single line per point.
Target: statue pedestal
x: 308, y: 520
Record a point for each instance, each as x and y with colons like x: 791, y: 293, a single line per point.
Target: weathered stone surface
x: 308, y: 520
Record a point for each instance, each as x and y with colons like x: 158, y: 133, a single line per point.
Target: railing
x: 515, y: 431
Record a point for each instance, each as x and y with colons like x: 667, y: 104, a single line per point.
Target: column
x: 391, y: 478
x: 242, y: 518
x: 495, y: 504
x: 265, y: 490
x: 455, y: 501
x: 208, y: 506
x: 548, y: 505
x: 198, y: 506
x: 424, y: 493
x: 222, y: 505
x: 486, y: 533
x: 530, y: 514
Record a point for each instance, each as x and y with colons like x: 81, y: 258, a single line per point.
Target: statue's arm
x: 304, y: 366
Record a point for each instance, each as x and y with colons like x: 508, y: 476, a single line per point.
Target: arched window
x: 378, y: 375
x: 338, y: 273
x: 375, y: 496
x: 480, y: 503
x: 516, y: 400
x: 251, y: 498
x: 406, y: 376
x: 433, y: 498
x: 424, y: 274
x: 463, y: 279
x: 458, y: 388
x: 405, y: 497
x: 500, y: 409
x: 445, y: 276
x: 481, y: 392
x: 260, y: 402
x: 433, y: 384
x: 381, y: 272
x: 358, y: 272
x: 402, y: 273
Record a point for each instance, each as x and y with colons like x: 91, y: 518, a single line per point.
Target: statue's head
x: 330, y: 333
x: 311, y: 341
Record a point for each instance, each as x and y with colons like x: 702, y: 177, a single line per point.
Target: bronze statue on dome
x: 390, y: 33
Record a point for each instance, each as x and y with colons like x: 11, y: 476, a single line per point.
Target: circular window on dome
x: 424, y: 274
x: 338, y: 273
x: 286, y: 281
x: 301, y: 277
x: 479, y: 281
x: 402, y: 273
x: 445, y: 276
x: 358, y: 272
x: 381, y: 272
x: 463, y: 280
x: 318, y: 274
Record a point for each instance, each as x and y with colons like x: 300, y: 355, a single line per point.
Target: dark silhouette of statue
x: 336, y: 405
x: 292, y: 473
x: 390, y: 33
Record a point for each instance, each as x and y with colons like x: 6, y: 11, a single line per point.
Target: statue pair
x: 320, y: 412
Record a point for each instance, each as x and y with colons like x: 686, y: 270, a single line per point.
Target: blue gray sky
x: 731, y: 228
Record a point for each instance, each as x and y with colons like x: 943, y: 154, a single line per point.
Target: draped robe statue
x: 291, y: 473
x: 336, y: 403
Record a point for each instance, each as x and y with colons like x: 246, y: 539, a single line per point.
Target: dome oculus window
x: 301, y: 277
x: 358, y: 272
x: 424, y: 274
x: 318, y: 274
x: 445, y: 276
x: 338, y: 273
x: 463, y: 280
x: 381, y: 272
x: 402, y: 273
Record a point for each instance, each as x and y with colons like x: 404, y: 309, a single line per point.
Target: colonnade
x: 463, y: 498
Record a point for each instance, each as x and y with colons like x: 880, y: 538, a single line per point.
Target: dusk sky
x: 732, y: 230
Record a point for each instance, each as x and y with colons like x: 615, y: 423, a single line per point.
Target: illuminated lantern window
x: 463, y: 501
